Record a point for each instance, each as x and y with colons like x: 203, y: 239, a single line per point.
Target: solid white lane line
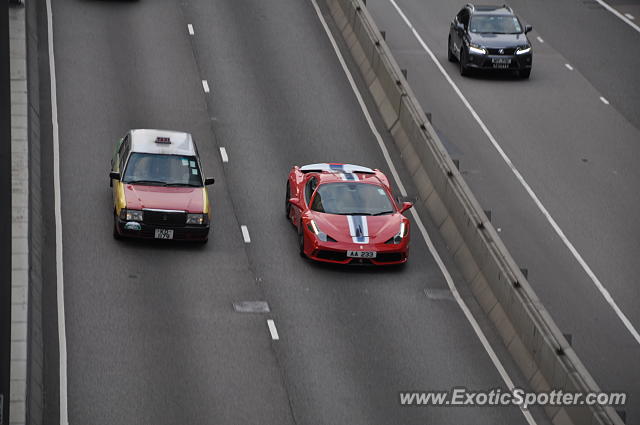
x: 605, y: 293
x: 443, y: 269
x: 205, y: 86
x: 62, y: 334
x: 272, y: 330
x: 569, y: 67
x: 618, y: 14
x: 540, y: 39
x: 190, y: 29
x: 223, y: 154
x: 630, y: 16
x: 245, y: 234
x: 364, y: 108
x: 605, y: 101
x: 467, y: 313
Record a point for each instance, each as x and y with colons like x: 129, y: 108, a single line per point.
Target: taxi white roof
x: 144, y: 140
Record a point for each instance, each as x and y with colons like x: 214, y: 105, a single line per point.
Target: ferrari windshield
x: 491, y: 24
x: 352, y: 199
x: 162, y: 170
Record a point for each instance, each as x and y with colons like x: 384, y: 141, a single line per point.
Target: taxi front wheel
x: 116, y: 235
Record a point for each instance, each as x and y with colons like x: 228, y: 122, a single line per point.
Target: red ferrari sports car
x: 346, y: 214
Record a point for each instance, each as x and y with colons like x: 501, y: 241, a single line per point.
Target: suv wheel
x: 464, y: 71
x: 450, y: 54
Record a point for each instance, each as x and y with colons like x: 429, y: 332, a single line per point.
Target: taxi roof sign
x: 144, y: 140
x: 163, y: 140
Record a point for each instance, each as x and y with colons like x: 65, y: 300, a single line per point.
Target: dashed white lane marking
x: 223, y: 154
x: 605, y: 293
x: 62, y: 334
x: 452, y: 287
x: 205, y: 86
x: 272, y: 330
x: 605, y: 101
x: 569, y: 67
x: 619, y: 15
x: 245, y: 234
x: 540, y: 39
x: 630, y: 16
x: 190, y: 29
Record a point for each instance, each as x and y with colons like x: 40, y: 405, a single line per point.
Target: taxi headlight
x: 476, y: 49
x: 523, y: 50
x: 201, y: 219
x: 130, y: 215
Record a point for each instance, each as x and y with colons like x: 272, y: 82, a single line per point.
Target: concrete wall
x: 35, y: 391
x: 531, y: 336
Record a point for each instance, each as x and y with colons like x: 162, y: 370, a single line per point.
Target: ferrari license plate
x: 164, y: 234
x: 361, y: 254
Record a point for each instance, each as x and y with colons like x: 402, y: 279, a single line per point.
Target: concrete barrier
x: 534, y: 340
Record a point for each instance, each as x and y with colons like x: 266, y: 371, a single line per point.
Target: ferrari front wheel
x: 301, y: 243
x: 287, y: 205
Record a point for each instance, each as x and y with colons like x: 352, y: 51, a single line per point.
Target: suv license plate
x: 164, y: 234
x: 361, y: 254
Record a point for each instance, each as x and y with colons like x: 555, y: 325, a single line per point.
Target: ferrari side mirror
x: 405, y: 206
x: 295, y: 202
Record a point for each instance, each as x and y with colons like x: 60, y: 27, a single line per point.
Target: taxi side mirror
x: 209, y: 180
x: 114, y: 175
x: 405, y: 206
x: 295, y: 202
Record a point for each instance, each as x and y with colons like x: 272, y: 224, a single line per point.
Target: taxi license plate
x: 164, y: 234
x: 361, y: 254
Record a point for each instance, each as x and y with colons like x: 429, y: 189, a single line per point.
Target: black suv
x: 490, y: 37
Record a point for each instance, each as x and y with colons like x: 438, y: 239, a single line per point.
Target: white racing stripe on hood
x: 358, y: 228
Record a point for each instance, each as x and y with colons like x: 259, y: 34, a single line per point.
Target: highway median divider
x: 535, y: 342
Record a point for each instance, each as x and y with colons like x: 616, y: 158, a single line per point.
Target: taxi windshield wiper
x: 183, y: 184
x: 150, y: 182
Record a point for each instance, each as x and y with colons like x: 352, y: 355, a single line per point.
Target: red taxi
x: 158, y: 188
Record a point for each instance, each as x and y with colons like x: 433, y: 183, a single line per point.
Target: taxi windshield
x: 352, y: 199
x: 162, y: 170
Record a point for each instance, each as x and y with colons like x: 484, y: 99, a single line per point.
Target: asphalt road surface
x: 152, y: 337
x: 576, y: 152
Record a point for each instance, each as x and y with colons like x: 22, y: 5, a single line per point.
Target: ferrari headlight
x: 130, y: 215
x: 320, y: 234
x: 201, y: 219
x: 397, y: 239
x: 523, y: 50
x: 476, y: 49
